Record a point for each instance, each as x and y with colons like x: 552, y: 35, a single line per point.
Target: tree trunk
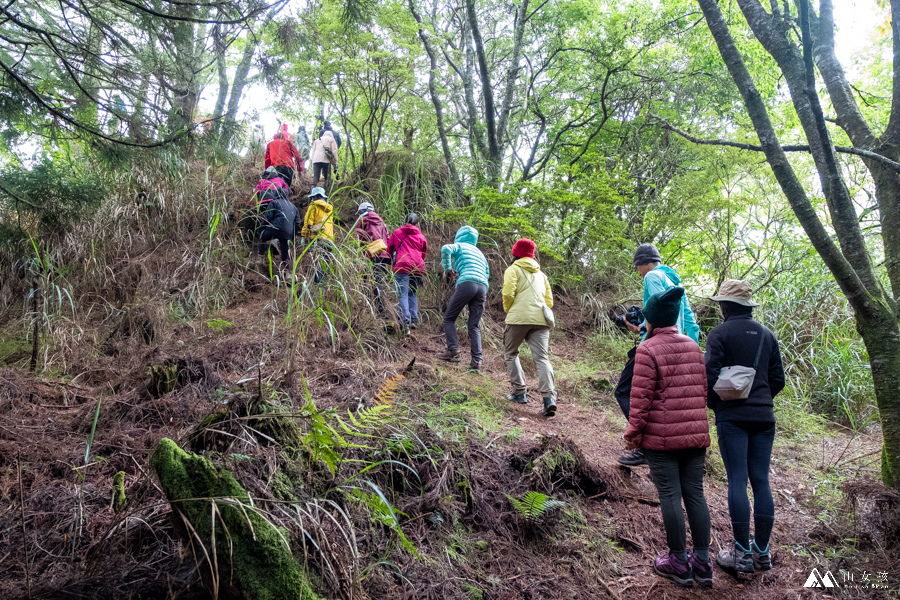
x: 487, y: 91
x: 438, y: 105
x: 237, y: 90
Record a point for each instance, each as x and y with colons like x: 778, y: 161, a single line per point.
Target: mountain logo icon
x: 815, y: 580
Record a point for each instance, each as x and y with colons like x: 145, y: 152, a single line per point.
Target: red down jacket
x: 668, y: 394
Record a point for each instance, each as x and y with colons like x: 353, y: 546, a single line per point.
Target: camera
x: 633, y: 315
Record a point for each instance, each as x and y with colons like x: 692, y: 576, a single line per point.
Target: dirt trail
x: 637, y: 524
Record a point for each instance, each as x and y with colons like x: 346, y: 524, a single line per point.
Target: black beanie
x: 646, y: 253
x: 662, y: 309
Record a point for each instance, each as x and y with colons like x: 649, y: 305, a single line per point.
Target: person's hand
x: 453, y: 274
x: 632, y: 327
x: 629, y: 445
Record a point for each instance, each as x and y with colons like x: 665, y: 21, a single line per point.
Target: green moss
x: 163, y: 379
x: 119, y: 500
x: 472, y: 592
x: 252, y: 555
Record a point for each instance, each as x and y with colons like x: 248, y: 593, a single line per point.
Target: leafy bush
x: 49, y: 197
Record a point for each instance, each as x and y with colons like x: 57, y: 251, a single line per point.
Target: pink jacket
x: 369, y: 228
x: 410, y: 246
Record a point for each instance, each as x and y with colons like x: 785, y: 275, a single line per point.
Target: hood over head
x: 323, y: 205
x: 467, y: 235
x: 529, y: 264
x: 670, y: 273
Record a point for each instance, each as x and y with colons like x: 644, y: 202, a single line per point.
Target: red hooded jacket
x: 369, y: 228
x: 411, y: 247
x: 281, y: 153
x: 668, y: 393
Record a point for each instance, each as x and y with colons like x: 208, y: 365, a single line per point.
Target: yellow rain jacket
x: 524, y: 284
x: 319, y: 221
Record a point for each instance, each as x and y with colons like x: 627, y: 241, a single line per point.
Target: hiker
x: 668, y: 421
x: 467, y: 263
x: 277, y: 219
x: 326, y: 126
x: 526, y: 291
x: 323, y: 155
x: 281, y: 154
x: 318, y: 229
x: 745, y: 424
x: 269, y: 185
x: 303, y: 144
x: 657, y: 278
x: 373, y: 235
x: 407, y: 248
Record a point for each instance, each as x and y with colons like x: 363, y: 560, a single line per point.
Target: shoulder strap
x: 540, y: 297
x: 762, y: 335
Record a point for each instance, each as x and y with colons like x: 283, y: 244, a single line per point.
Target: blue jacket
x: 661, y: 279
x: 464, y: 258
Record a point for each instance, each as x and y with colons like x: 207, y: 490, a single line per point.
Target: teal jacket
x: 464, y: 258
x: 661, y: 279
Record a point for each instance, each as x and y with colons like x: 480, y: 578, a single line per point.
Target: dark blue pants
x: 473, y: 295
x: 746, y: 451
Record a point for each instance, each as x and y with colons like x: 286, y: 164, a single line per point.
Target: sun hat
x: 365, y: 207
x: 735, y: 290
x: 317, y: 191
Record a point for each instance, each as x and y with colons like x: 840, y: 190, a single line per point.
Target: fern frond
x: 534, y: 505
x: 387, y: 391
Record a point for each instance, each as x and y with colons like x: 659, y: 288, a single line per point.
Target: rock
x: 253, y: 560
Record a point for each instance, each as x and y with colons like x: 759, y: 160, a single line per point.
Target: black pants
x: 473, y: 295
x: 320, y: 170
x: 380, y: 269
x: 323, y: 254
x: 677, y: 475
x: 285, y: 173
x: 623, y: 389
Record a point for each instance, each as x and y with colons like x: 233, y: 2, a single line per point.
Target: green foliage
x: 535, y: 506
x: 218, y: 324
x: 49, y: 196
x: 381, y: 511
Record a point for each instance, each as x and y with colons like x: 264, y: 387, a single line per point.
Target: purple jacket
x: 410, y: 246
x: 370, y: 228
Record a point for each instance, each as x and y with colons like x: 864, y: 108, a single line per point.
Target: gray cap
x: 645, y: 254
x: 365, y: 207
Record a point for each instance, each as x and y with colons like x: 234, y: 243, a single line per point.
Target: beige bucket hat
x: 735, y: 290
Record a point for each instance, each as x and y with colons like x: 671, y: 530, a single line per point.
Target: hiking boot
x: 737, y: 559
x: 761, y: 559
x: 633, y: 459
x: 702, y: 570
x: 676, y: 570
x: 448, y: 356
x: 517, y: 398
x: 474, y: 366
x: 406, y: 330
x: 549, y: 407
x: 414, y: 324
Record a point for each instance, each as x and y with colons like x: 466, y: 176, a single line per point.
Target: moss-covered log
x: 252, y: 559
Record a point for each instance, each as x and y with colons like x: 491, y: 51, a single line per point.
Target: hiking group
x: 664, y: 389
